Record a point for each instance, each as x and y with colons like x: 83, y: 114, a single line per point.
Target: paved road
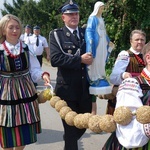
x: 52, y: 130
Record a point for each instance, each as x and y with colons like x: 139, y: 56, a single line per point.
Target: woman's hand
x: 127, y: 75
x: 46, y: 78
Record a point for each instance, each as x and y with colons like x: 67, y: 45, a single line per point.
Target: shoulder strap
x: 130, y: 53
x: 58, y: 42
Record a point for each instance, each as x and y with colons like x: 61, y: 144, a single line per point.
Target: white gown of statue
x: 97, y: 69
x: 97, y: 42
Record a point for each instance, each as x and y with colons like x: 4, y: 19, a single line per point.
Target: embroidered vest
x: 9, y: 64
x: 134, y: 66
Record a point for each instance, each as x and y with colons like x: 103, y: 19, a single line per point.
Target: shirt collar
x: 11, y: 45
x: 134, y: 51
x: 27, y: 34
x: 36, y: 35
x: 71, y: 30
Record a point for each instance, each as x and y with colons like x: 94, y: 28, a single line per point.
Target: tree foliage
x: 121, y: 17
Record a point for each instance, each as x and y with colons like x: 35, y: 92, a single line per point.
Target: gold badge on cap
x: 68, y: 34
x: 69, y: 51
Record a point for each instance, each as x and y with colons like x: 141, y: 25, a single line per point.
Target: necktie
x: 37, y: 41
x: 75, y: 35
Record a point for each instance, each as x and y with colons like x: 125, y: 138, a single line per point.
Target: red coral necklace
x: 9, y: 53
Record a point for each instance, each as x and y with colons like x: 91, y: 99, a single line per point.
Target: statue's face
x: 101, y: 9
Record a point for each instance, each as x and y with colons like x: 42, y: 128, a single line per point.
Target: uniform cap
x: 28, y: 26
x: 69, y: 7
x: 36, y: 27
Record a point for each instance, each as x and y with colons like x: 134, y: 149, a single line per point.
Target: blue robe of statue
x: 97, y: 43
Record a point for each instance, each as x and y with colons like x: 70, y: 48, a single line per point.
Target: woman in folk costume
x: 19, y: 109
x: 98, y: 43
x: 129, y: 63
x: 133, y: 93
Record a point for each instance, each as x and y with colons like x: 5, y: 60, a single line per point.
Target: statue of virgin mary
x: 98, y: 43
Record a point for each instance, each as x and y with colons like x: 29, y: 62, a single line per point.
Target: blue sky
x: 1, y: 6
x: 9, y: 2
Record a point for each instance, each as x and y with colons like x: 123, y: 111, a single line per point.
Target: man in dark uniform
x: 67, y: 52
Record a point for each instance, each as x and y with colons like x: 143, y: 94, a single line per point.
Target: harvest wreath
x: 96, y: 123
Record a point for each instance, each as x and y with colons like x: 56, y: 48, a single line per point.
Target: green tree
x: 121, y: 17
x: 13, y: 9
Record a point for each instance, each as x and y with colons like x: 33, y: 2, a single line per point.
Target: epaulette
x: 58, y: 29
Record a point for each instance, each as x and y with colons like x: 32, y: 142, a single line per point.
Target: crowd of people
x: 80, y: 55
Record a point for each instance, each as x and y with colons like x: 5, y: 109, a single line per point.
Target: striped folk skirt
x: 19, y: 136
x: 19, y: 110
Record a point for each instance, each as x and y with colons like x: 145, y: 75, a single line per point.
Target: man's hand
x: 48, y: 58
x: 87, y: 58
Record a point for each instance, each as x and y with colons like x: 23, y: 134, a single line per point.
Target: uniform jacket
x: 72, y: 82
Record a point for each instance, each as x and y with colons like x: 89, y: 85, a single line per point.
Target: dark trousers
x: 71, y: 136
x: 40, y: 57
x: 111, y: 106
x: 71, y: 133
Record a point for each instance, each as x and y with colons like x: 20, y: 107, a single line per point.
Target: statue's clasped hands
x: 112, y: 45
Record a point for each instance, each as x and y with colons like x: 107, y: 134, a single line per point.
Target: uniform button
x: 82, y: 77
x: 82, y: 68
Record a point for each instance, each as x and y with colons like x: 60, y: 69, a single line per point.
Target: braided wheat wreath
x: 99, y: 123
x: 96, y: 123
